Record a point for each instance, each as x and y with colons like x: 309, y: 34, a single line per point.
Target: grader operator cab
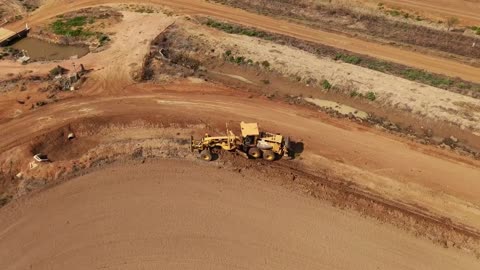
x: 252, y: 144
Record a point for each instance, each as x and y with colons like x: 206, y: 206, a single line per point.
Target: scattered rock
x: 429, y: 133
x: 452, y: 141
x: 422, y: 141
x: 436, y: 140
x: 445, y: 146
x: 71, y: 136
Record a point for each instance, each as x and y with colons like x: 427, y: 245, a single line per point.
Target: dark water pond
x: 42, y: 50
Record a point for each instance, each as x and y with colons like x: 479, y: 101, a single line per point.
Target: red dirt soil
x: 374, y: 156
x: 437, y: 180
x: 466, y: 10
x: 409, y: 58
x: 189, y: 215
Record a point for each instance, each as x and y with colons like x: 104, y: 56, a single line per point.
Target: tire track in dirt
x: 181, y: 215
x: 409, y: 58
x: 466, y: 10
x: 329, y: 142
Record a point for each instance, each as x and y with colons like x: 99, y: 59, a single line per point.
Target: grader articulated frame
x: 251, y: 144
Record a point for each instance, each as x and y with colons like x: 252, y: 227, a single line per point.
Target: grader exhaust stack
x: 251, y: 144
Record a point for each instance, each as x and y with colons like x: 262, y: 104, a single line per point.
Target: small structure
x: 41, y: 157
x: 24, y: 59
x: 7, y: 37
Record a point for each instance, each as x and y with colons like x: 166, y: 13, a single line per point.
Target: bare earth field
x: 126, y: 193
x: 186, y: 215
x: 391, y: 91
x: 419, y: 60
x: 466, y: 10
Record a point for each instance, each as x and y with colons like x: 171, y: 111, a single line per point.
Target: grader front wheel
x: 206, y: 155
x: 254, y: 152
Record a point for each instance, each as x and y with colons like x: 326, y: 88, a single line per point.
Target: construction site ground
x: 353, y: 190
x: 187, y: 215
x: 466, y: 10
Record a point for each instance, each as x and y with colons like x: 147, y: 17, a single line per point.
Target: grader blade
x: 191, y: 143
x: 287, y: 147
x: 241, y: 153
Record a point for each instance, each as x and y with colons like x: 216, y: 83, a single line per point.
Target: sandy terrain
x: 8, y: 9
x: 391, y: 91
x: 189, y: 215
x: 409, y: 58
x: 466, y: 10
x: 183, y: 215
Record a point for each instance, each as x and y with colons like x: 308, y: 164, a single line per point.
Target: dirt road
x: 182, y: 215
x: 405, y: 172
x: 197, y: 7
x: 466, y: 10
x: 178, y: 219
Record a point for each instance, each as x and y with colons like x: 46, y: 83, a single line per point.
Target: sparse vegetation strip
x: 398, y: 26
x: 441, y: 81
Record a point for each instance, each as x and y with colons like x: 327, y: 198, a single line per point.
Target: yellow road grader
x: 251, y: 144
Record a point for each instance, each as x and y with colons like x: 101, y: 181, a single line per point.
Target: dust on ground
x: 113, y: 134
x: 389, y: 91
x: 345, y: 158
x: 380, y: 24
x: 192, y: 214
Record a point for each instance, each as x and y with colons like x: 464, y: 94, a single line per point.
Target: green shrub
x: 265, y: 64
x: 234, y: 29
x: 55, y: 71
x: 326, y: 85
x: 102, y: 39
x: 351, y: 59
x: 240, y: 60
x: 394, y: 13
x: 71, y: 27
x: 422, y: 76
x: 371, y: 96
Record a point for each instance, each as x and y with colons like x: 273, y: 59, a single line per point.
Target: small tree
x: 451, y: 22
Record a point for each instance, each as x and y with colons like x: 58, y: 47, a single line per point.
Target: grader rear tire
x: 206, y: 155
x: 254, y: 152
x: 269, y: 155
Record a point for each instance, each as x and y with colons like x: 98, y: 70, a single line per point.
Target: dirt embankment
x: 14, y: 10
x: 110, y: 131
x: 465, y: 10
x: 187, y: 53
x: 419, y: 60
x: 349, y: 19
x: 456, y: 85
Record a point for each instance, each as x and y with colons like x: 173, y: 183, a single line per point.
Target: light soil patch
x: 340, y: 108
x: 391, y: 91
x: 112, y: 65
x: 466, y: 10
x: 181, y: 215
